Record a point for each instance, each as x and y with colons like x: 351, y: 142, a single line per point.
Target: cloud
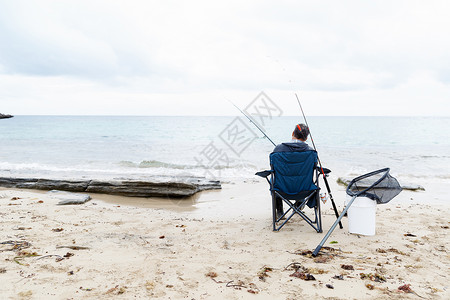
x: 48, y: 39
x: 92, y: 51
x: 42, y: 46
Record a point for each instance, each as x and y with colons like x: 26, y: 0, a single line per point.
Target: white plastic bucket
x: 361, y: 216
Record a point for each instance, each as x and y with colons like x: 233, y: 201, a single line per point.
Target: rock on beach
x: 175, y: 188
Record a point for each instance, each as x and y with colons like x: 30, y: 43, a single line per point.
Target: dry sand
x: 218, y: 245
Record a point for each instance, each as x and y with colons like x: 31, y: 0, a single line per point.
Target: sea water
x: 224, y: 148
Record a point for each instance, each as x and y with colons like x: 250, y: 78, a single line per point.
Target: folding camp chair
x: 294, y: 179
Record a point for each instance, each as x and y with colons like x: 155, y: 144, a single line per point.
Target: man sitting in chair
x: 297, y: 144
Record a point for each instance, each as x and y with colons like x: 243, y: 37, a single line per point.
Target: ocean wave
x: 37, y: 167
x: 236, y: 169
x: 434, y: 156
x: 160, y: 164
x: 125, y: 169
x: 156, y: 164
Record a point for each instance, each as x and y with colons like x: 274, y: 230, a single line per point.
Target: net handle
x: 354, y: 180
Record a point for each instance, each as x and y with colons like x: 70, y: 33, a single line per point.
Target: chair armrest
x: 264, y: 173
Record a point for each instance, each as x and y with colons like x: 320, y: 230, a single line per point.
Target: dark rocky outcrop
x: 183, y: 188
x: 412, y: 187
x: 2, y: 116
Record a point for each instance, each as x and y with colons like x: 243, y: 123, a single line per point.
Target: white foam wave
x: 123, y: 170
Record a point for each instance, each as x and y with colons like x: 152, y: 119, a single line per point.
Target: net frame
x: 385, y: 183
x: 392, y: 186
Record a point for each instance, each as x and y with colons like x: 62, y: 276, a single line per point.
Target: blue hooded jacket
x: 292, y: 147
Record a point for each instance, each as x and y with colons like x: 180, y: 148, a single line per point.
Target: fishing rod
x: 320, y: 164
x: 254, y: 123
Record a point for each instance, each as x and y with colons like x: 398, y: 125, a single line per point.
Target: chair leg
x: 316, y: 224
x: 318, y: 214
x: 279, y: 208
x: 274, y: 213
x: 295, y: 208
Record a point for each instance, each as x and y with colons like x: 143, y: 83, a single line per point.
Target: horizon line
x: 237, y: 115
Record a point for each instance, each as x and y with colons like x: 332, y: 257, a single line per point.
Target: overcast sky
x: 190, y: 57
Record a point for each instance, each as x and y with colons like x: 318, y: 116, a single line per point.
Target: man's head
x: 301, y: 132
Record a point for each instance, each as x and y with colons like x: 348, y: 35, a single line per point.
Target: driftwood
x: 185, y: 187
x: 74, y: 247
x: 66, y: 198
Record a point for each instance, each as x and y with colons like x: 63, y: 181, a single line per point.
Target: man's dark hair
x: 301, y: 131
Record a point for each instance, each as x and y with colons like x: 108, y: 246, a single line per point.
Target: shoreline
x: 241, y: 195
x: 194, y: 249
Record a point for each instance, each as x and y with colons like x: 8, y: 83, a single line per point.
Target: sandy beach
x: 216, y: 245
